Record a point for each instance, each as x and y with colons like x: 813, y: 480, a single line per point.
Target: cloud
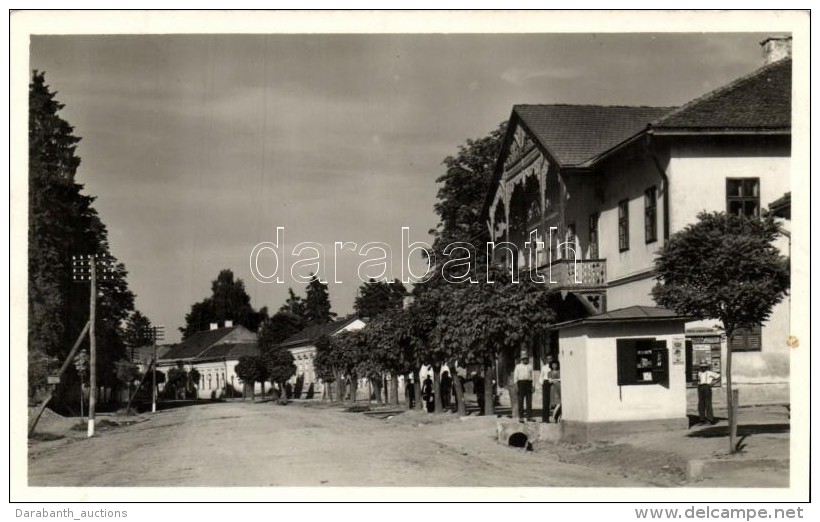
x: 521, y: 75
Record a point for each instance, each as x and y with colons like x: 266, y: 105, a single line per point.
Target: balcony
x: 571, y: 274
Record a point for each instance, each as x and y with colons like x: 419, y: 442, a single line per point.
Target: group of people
x: 550, y: 381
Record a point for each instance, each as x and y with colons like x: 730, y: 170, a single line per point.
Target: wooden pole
x: 41, y: 408
x: 154, y: 376
x: 93, y: 355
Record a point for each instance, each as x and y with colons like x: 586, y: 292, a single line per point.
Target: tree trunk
x: 340, y: 391
x: 394, y: 389
x: 354, y: 388
x: 730, y: 405
x: 512, y: 388
x: 489, y: 396
x: 437, y: 389
x: 459, y: 386
x: 379, y: 383
x: 417, y: 390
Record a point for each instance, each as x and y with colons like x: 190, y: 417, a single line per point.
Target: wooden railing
x: 568, y: 273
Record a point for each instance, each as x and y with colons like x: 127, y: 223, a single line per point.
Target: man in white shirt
x: 706, y: 379
x: 522, y: 375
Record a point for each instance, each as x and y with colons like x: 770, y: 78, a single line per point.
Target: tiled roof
x: 311, y: 333
x: 628, y: 314
x: 230, y: 350
x: 146, y: 353
x: 782, y: 206
x: 636, y: 312
x: 759, y: 101
x: 573, y: 134
x: 198, y: 343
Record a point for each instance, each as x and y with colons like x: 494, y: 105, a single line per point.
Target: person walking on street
x: 706, y: 379
x: 478, y: 389
x: 427, y: 394
x: 446, y: 385
x: 522, y: 375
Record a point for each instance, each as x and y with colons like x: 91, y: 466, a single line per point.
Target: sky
x: 198, y: 147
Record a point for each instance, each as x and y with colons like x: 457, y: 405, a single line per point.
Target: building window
x: 593, y: 236
x: 570, y: 242
x: 623, y: 225
x: 650, y: 214
x: 743, y: 196
x: 642, y: 361
x: 746, y: 340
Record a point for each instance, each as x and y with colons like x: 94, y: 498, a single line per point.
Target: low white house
x: 214, y: 354
x: 303, y: 347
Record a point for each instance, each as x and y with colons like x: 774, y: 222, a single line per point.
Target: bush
x: 297, y: 388
x: 288, y: 391
x: 310, y: 392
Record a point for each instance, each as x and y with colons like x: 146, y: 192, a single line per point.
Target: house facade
x: 214, y: 353
x: 303, y: 347
x: 588, y: 195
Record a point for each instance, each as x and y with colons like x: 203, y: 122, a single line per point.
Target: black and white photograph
x: 408, y: 253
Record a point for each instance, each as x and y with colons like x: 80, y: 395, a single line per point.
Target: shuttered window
x: 746, y: 340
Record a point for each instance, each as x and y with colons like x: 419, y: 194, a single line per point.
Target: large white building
x: 606, y: 186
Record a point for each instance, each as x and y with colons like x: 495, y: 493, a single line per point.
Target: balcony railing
x: 569, y: 273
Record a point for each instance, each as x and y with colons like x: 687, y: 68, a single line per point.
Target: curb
x: 702, y: 468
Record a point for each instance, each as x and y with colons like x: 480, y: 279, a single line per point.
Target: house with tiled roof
x: 214, y: 353
x: 589, y: 193
x: 303, y: 347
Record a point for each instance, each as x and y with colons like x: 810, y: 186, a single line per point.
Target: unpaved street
x: 263, y: 444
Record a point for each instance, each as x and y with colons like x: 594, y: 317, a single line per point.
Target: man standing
x: 523, y: 381
x: 546, y: 386
x: 706, y: 379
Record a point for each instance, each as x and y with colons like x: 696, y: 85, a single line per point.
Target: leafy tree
x: 347, y: 350
x: 317, y: 303
x: 727, y: 268
x: 252, y: 369
x: 137, y: 331
x: 127, y: 372
x: 177, y: 381
x: 463, y: 190
x: 326, y: 366
x: 228, y: 301
x: 377, y: 297
x: 62, y: 223
x: 388, y: 347
x: 294, y: 304
x: 279, y: 327
x: 280, y: 365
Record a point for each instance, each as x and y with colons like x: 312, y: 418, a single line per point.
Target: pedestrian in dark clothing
x: 411, y: 394
x: 427, y: 394
x: 446, y: 389
x: 546, y: 386
x: 706, y: 379
x: 478, y: 388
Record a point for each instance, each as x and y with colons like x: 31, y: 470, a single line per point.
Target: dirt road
x: 263, y: 444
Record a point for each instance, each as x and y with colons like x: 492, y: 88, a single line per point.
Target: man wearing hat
x: 523, y: 381
x: 706, y: 379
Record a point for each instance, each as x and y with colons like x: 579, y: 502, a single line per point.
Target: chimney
x: 214, y: 326
x: 776, y: 48
x: 228, y: 324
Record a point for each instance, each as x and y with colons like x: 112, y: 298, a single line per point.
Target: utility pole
x: 158, y: 333
x: 84, y: 268
x: 92, y: 360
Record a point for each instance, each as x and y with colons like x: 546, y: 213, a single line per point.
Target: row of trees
x: 62, y: 223
x: 461, y: 325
